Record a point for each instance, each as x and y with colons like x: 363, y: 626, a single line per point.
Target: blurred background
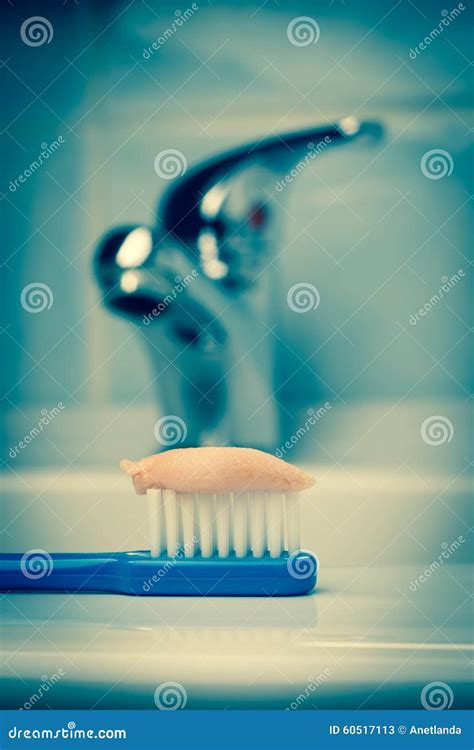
x: 376, y: 228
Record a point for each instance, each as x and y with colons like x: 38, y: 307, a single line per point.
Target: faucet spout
x: 200, y: 287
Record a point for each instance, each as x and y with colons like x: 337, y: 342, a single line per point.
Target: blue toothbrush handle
x: 38, y: 570
x: 139, y: 574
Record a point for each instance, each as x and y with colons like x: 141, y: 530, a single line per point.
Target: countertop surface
x: 366, y: 638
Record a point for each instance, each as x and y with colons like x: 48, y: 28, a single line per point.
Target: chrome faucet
x: 200, y: 287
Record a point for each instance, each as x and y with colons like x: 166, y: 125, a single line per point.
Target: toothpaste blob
x: 216, y: 470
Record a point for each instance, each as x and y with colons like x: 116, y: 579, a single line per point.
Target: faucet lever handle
x: 220, y: 210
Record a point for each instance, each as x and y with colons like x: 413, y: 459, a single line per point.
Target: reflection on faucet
x: 201, y: 287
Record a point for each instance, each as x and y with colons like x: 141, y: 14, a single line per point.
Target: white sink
x: 361, y: 640
x: 364, y: 638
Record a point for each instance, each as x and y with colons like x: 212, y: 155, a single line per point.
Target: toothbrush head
x: 227, y: 507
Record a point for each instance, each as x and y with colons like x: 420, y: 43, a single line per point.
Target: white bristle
x: 292, y: 521
x: 205, y: 511
x: 240, y: 524
x: 258, y: 535
x: 244, y: 523
x: 171, y: 515
x: 222, y: 507
x: 186, y: 514
x: 275, y: 523
x: 155, y: 517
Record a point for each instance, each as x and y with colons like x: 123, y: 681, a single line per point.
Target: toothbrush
x: 223, y: 522
x: 225, y: 506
